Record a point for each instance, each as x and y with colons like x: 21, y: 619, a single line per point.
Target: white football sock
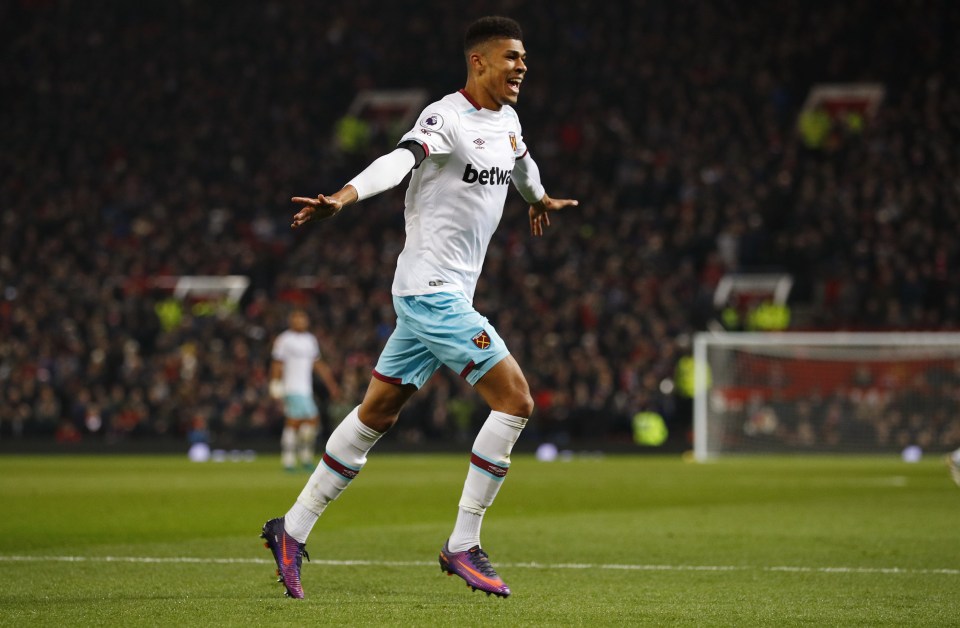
x: 489, y: 463
x: 288, y: 447
x: 466, y: 532
x: 345, y: 455
x: 299, y: 521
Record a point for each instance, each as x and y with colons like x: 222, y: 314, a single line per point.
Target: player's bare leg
x: 505, y: 389
x: 382, y: 403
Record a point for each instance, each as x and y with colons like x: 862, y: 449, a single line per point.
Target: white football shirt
x: 455, y: 198
x: 298, y: 351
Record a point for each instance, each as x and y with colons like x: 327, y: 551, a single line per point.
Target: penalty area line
x: 545, y: 566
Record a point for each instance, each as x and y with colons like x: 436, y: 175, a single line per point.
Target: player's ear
x: 476, y: 61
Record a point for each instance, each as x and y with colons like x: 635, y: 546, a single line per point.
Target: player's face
x: 504, y: 69
x: 299, y: 321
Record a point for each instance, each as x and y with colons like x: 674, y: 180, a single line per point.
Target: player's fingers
x: 303, y: 200
x: 326, y: 201
x: 302, y: 216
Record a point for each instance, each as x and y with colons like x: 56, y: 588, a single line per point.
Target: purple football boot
x: 474, y: 567
x: 288, y: 552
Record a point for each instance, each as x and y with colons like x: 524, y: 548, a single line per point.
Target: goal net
x: 825, y: 392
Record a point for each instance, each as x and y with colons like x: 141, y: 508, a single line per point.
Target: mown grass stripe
x: 546, y: 566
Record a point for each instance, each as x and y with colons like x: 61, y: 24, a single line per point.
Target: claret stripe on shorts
x: 387, y: 379
x: 334, y: 465
x: 496, y: 471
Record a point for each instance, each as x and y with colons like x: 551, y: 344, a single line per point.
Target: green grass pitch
x: 612, y: 541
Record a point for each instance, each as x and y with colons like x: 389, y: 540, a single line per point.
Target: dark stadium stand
x: 163, y: 139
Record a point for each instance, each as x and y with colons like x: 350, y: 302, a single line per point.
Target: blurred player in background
x: 296, y: 356
x: 464, y: 150
x: 953, y: 463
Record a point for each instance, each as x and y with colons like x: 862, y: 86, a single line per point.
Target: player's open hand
x: 540, y: 212
x: 318, y: 209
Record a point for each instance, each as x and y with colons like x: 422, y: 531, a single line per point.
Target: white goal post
x: 843, y: 392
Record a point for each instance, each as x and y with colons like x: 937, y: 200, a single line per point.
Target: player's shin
x: 344, y: 456
x: 306, y: 441
x: 489, y: 463
x: 288, y: 447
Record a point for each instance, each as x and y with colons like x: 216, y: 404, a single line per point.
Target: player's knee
x: 525, y: 409
x: 379, y: 414
x: 519, y: 403
x: 382, y: 404
x: 526, y: 406
x: 379, y: 421
x: 509, y: 395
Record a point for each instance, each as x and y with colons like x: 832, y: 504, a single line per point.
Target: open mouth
x: 514, y: 85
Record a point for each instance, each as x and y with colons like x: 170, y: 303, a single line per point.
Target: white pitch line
x: 547, y: 566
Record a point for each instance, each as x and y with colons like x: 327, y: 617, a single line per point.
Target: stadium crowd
x: 165, y: 139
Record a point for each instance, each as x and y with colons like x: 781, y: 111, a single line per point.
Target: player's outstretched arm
x: 540, y: 212
x: 384, y: 173
x: 526, y: 178
x: 322, y: 207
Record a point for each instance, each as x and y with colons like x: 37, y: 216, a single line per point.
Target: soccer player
x: 953, y: 464
x: 464, y: 150
x: 296, y: 356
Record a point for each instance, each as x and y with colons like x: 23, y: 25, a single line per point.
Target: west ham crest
x: 513, y: 141
x: 482, y: 340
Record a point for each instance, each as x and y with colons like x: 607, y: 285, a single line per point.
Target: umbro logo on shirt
x: 493, y: 176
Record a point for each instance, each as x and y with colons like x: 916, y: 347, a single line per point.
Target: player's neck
x: 479, y: 98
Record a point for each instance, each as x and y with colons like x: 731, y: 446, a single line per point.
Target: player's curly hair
x: 491, y: 27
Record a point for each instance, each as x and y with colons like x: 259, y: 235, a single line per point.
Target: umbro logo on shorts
x: 482, y: 340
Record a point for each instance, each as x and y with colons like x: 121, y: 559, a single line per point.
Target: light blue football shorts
x: 299, y: 407
x: 435, y: 329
